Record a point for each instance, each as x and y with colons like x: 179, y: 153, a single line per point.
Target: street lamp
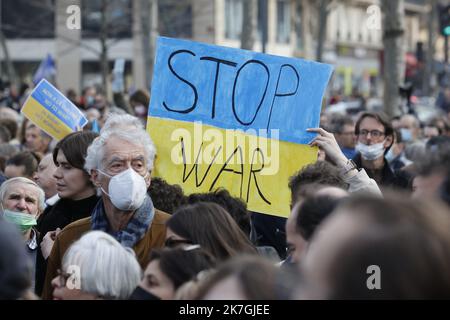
x: 446, y: 31
x: 444, y: 26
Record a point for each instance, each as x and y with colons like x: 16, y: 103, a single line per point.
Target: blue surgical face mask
x: 390, y: 155
x: 370, y: 152
x: 406, y: 134
x: 89, y: 101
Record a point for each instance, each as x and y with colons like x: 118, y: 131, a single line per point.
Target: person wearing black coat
x: 77, y: 196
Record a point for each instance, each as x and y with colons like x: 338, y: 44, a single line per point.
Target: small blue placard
x: 56, y: 103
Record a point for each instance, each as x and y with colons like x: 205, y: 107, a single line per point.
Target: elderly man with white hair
x: 119, y: 161
x: 22, y: 201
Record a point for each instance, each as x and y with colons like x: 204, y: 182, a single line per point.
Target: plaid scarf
x: 136, y: 227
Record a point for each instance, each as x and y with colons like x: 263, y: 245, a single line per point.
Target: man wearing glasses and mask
x: 375, y: 136
x: 119, y: 162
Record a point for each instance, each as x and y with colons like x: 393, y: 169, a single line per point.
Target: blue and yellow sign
x: 224, y: 117
x: 51, y: 111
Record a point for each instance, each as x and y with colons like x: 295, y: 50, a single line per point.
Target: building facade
x: 353, y: 37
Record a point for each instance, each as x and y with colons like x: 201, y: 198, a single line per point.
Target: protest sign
x: 52, y: 112
x: 224, y: 117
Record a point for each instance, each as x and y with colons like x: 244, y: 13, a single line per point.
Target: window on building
x: 92, y: 73
x: 283, y: 21
x: 28, y: 19
x: 175, y: 18
x: 233, y: 19
x: 117, y: 13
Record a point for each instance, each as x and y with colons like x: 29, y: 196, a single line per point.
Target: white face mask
x: 370, y: 152
x: 127, y: 190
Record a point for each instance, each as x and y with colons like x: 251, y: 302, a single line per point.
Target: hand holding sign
x: 327, y: 142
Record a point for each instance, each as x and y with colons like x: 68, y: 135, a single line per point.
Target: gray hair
x: 415, y: 151
x: 8, y: 183
x: 106, y: 268
x: 415, y: 121
x: 125, y: 127
x: 338, y: 121
x: 41, y: 132
x: 8, y: 150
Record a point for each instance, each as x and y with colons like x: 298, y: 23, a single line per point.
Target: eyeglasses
x: 373, y: 133
x: 63, y: 277
x: 289, y: 249
x: 192, y: 247
x: 172, y: 243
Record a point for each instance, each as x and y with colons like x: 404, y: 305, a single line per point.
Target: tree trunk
x: 104, y: 49
x: 394, y: 54
x: 249, y: 24
x: 323, y: 13
x: 153, y: 34
x: 149, y: 29
x: 305, y: 29
x: 429, y: 66
x: 9, y: 65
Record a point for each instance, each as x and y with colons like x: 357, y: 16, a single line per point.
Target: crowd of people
x: 83, y: 217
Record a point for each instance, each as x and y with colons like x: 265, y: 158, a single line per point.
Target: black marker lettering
x: 262, y: 99
x: 219, y: 61
x: 185, y: 81
x: 241, y: 173
x: 253, y: 172
x: 277, y: 94
x: 195, y: 165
